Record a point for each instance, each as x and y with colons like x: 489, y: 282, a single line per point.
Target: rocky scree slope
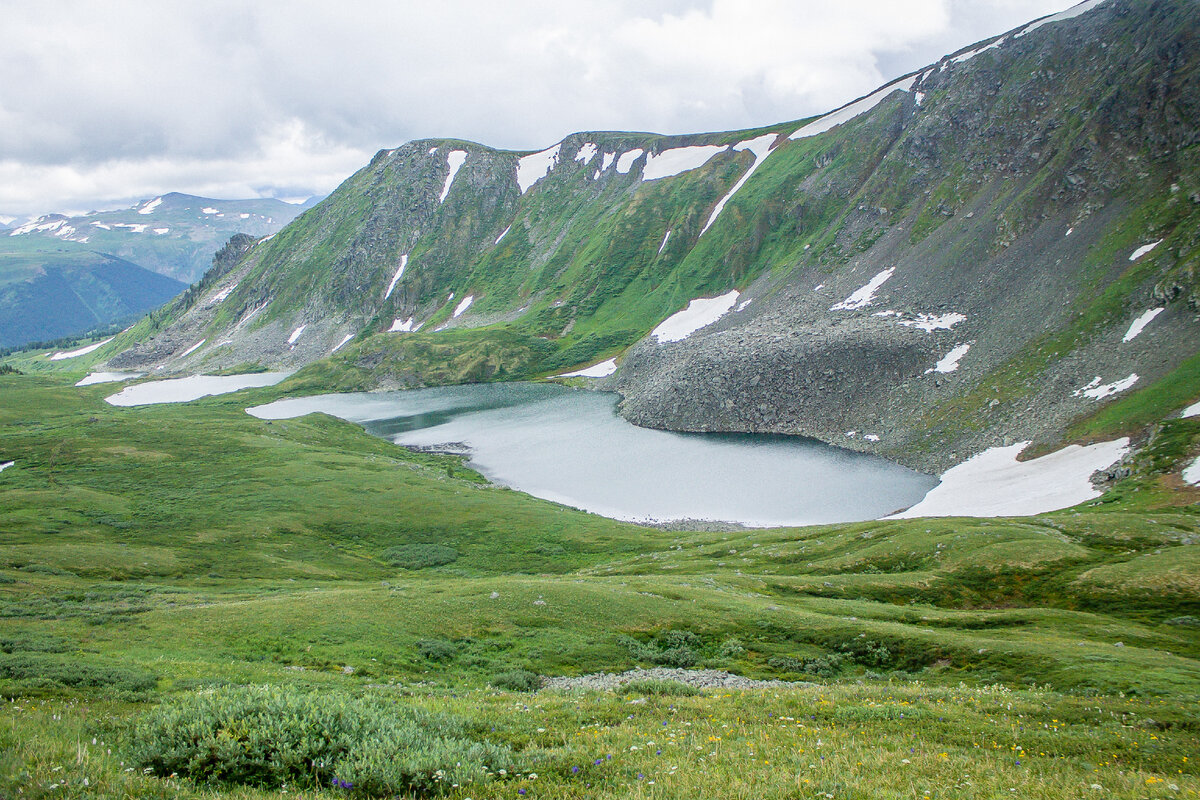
x: 988, y: 250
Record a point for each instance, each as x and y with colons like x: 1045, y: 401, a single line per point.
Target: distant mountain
x: 54, y: 293
x: 174, y: 234
x: 993, y: 249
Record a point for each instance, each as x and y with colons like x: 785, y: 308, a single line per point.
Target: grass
x: 153, y: 553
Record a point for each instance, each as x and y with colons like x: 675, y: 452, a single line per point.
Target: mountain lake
x: 571, y: 447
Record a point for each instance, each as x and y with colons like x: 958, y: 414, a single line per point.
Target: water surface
x: 571, y: 447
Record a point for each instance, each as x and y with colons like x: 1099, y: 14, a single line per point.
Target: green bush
x: 669, y: 648
x: 420, y: 556
x: 518, y: 680
x: 825, y: 666
x: 732, y: 648
x: 660, y: 687
x: 267, y: 736
x: 46, y: 569
x: 436, y: 649
x: 50, y: 670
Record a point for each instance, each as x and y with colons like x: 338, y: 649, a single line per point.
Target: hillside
x: 53, y: 292
x: 990, y: 250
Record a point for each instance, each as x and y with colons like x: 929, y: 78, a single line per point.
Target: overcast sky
x: 102, y: 103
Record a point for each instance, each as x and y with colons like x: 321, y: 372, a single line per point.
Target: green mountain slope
x: 51, y: 293
x: 952, y: 263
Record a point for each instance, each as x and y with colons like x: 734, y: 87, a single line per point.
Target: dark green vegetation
x: 175, y: 553
x: 53, y: 291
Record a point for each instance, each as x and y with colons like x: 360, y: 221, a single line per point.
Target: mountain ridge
x: 1041, y: 159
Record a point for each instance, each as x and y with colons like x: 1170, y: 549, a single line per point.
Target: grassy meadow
x: 152, y: 556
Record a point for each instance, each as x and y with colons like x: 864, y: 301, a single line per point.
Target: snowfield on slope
x: 454, y: 159
x: 864, y: 295
x: 193, y: 387
x: 700, y: 313
x: 678, y: 160
x: 995, y: 484
x: 1140, y: 323
x: 857, y: 108
x: 601, y: 370
x: 83, y: 351
x: 761, y: 148
x: 532, y: 168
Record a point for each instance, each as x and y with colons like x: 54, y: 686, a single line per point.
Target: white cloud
x: 124, y: 99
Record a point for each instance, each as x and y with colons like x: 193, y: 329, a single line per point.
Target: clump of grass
x: 271, y: 736
x: 420, y: 556
x: 664, y: 688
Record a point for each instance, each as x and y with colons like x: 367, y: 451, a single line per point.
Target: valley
x: 911, y: 509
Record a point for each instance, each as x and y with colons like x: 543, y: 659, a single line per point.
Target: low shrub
x: 732, y: 648
x: 436, y: 649
x: 420, y: 556
x: 518, y: 680
x: 665, y: 688
x: 34, y: 643
x: 268, y: 736
x: 52, y: 670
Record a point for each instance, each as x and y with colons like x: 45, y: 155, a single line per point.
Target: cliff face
x: 956, y: 261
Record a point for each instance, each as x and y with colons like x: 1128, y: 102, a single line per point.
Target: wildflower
x: 575, y: 770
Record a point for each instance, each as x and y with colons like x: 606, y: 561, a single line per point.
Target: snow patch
x: 949, y: 362
x: 931, y: 322
x: 1096, y: 391
x: 342, y: 343
x: 1070, y: 13
x: 601, y: 370
x: 192, y: 349
x: 132, y: 227
x: 182, y: 390
x: 1190, y: 474
x: 503, y: 233
x: 701, y: 312
x: 677, y: 160
x: 586, y: 153
x: 849, y: 112
x: 1069, y: 232
x: 995, y: 484
x: 967, y: 56
x: 664, y: 242
x: 296, y: 334
x: 149, y: 207
x: 454, y: 159
x: 5, y: 465
x: 243, y: 216
x: 532, y: 168
x: 607, y: 161
x: 221, y: 295
x: 207, y: 210
x: 625, y: 162
x: 1141, y: 251
x: 463, y: 306
x: 761, y: 148
x: 1191, y: 411
x: 266, y: 238
x: 83, y: 351
x: 108, y: 377
x: 433, y: 151
x: 1141, y: 322
x: 161, y: 231
x: 865, y: 295
x: 401, y: 325
x: 872, y: 437
x: 396, y: 277
x: 102, y: 226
